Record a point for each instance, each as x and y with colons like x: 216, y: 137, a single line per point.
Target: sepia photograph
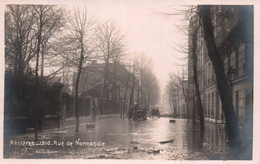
x: 128, y: 80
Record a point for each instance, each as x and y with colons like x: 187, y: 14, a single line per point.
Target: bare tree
x: 126, y: 80
x: 151, y: 88
x: 20, y: 38
x: 188, y: 26
x: 205, y: 16
x: 173, y: 91
x: 180, y: 83
x: 33, y: 29
x: 110, y: 44
x: 143, y: 63
x: 194, y: 35
x: 168, y: 92
x: 148, y: 87
x: 44, y: 14
x: 49, y: 21
x: 81, y: 30
x: 131, y: 103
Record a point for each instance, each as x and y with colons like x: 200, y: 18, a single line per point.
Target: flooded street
x: 155, y: 138
x: 129, y: 80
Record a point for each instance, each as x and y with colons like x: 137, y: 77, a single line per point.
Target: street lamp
x: 231, y: 74
x: 231, y: 77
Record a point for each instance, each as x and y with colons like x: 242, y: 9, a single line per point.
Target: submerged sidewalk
x: 70, y: 122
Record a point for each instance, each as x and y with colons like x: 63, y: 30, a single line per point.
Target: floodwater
x: 155, y: 138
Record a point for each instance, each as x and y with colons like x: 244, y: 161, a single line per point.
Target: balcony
x: 226, y: 27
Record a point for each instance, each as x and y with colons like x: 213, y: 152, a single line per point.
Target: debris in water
x: 133, y: 142
x: 150, y: 151
x: 156, y: 151
x: 90, y: 126
x: 168, y: 141
x: 116, y: 152
x: 58, y: 132
x: 121, y: 149
x: 102, y: 156
x: 109, y: 150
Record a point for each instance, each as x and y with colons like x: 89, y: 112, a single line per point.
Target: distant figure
x: 136, y: 107
x: 131, y: 110
x: 94, y: 109
x: 94, y: 114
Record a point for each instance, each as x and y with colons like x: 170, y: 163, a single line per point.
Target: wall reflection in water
x: 212, y: 141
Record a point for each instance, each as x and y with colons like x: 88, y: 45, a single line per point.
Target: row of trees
x: 51, y: 38
x: 178, y: 92
x: 29, y: 31
x: 141, y: 84
x: 148, y: 90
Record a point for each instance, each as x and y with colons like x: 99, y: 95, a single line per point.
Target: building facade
x: 114, y: 97
x: 233, y: 33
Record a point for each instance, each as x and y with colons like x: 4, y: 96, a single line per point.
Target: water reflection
x: 211, y: 141
x: 189, y: 142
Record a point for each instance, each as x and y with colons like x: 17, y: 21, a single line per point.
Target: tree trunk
x: 175, y: 108
x: 105, y: 77
x: 39, y: 38
x: 127, y: 83
x: 115, y: 72
x: 132, y: 93
x: 77, y: 102
x: 77, y: 85
x: 185, y: 97
x: 42, y: 64
x: 222, y: 84
x: 195, y: 78
x: 20, y: 61
x: 194, y: 110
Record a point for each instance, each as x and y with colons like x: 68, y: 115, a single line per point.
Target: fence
x: 53, y: 107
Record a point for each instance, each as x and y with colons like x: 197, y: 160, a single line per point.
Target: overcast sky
x: 145, y: 31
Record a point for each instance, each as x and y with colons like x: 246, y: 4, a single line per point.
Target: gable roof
x: 96, y: 90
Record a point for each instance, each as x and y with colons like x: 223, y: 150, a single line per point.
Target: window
x: 210, y: 73
x: 205, y: 105
x: 241, y: 59
x: 209, y: 113
x: 237, y: 104
x: 217, y: 106
x: 206, y: 75
x: 203, y: 81
x: 226, y: 64
x: 233, y: 59
x: 110, y: 96
x: 213, y: 105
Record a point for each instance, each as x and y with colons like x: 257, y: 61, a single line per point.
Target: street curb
x: 70, y: 122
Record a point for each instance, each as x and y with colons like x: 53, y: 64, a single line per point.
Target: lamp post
x: 231, y: 77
